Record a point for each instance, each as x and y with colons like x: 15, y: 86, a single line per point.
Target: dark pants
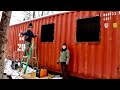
x: 64, y: 68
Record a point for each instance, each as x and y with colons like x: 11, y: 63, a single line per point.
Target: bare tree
x: 34, y: 14
x: 4, y: 24
x: 47, y: 12
x: 42, y: 13
x: 27, y: 15
x: 39, y: 14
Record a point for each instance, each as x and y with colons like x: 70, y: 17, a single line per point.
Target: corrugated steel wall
x: 97, y: 60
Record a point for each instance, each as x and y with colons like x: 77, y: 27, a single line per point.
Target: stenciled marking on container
x: 107, y: 16
x: 21, y: 47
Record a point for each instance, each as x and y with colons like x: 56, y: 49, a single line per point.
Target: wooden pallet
x: 33, y: 76
x: 48, y: 77
x: 29, y: 76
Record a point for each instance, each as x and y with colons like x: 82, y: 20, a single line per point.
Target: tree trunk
x: 39, y: 14
x: 29, y: 16
x: 47, y: 12
x: 42, y: 13
x: 23, y: 19
x: 33, y: 14
x: 4, y: 24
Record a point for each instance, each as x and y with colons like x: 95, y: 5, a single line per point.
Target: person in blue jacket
x: 28, y: 38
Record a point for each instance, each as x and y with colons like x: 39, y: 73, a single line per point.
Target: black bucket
x: 14, y: 65
x: 38, y: 73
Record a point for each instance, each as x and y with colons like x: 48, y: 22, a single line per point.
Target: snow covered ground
x: 15, y: 74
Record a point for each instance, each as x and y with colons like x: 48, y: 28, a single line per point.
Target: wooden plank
x: 33, y: 76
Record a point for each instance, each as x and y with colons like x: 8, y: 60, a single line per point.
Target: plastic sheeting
x: 15, y: 74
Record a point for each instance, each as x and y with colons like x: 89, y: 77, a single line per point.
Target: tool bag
x: 14, y: 65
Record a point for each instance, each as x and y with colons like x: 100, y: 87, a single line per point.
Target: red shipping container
x: 88, y: 59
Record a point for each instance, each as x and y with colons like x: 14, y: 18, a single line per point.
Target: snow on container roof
x: 42, y: 17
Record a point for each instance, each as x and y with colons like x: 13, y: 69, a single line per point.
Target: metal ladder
x: 32, y: 51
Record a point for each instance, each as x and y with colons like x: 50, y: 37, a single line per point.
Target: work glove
x: 58, y: 62
x: 37, y: 34
x: 20, y: 32
x: 67, y: 62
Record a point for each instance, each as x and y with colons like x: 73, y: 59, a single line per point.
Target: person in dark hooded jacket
x: 28, y: 38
